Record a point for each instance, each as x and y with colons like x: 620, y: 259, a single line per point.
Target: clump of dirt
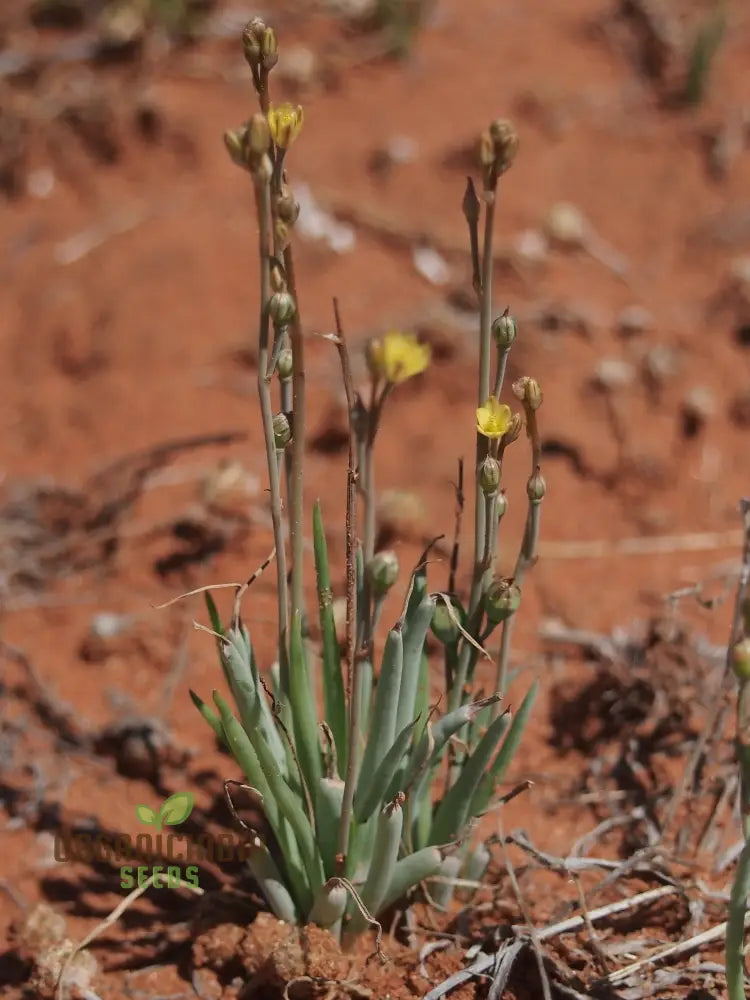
x: 272, y: 959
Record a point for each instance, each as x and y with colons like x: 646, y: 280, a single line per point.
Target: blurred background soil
x: 132, y: 465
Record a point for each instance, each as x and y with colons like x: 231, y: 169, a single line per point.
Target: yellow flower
x: 285, y: 122
x: 397, y: 357
x: 493, y: 419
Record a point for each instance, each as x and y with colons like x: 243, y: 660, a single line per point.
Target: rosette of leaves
x: 405, y: 826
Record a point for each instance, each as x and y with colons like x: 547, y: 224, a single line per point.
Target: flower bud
x: 444, y: 621
x: 258, y: 135
x: 234, y: 140
x: 282, y: 234
x: 501, y: 504
x: 536, y: 487
x: 741, y: 660
x: 382, y: 570
x: 269, y: 49
x: 284, y: 364
x: 501, y: 600
x: 504, y: 331
x: 528, y: 391
x: 281, y: 308
x: 287, y: 209
x: 252, y: 37
x: 486, y: 151
x: 489, y: 476
x: 282, y: 431
x: 514, y: 429
x: 505, y: 139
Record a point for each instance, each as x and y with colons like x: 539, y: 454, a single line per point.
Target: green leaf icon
x: 176, y: 809
x: 146, y: 815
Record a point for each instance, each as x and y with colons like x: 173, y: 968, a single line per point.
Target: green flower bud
x: 501, y: 505
x: 504, y: 331
x: 282, y: 234
x: 258, y: 135
x: 282, y: 431
x: 287, y: 209
x: 252, y: 38
x: 443, y: 623
x: 284, y: 364
x: 505, y: 139
x: 536, y: 487
x: 501, y: 600
x: 486, y: 151
x: 382, y: 570
x: 269, y: 49
x: 741, y: 660
x: 489, y: 476
x: 281, y: 308
x: 528, y: 391
x: 514, y: 429
x: 234, y: 140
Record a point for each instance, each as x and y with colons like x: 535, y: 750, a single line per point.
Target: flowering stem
x: 526, y: 557
x: 482, y: 527
x: 355, y: 672
x: 297, y: 484
x: 263, y: 204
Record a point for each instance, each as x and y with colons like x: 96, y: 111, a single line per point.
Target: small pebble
x: 565, y: 224
x: 531, y: 247
x: 40, y: 183
x: 298, y: 66
x: 614, y: 373
x: 634, y: 320
x: 661, y: 363
x: 401, y: 514
x: 401, y: 149
x: 431, y: 265
x: 108, y: 625
x: 698, y: 406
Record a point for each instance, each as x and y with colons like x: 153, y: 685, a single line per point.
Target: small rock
x: 566, y: 225
x: 40, y: 183
x: 531, y: 247
x: 698, y: 406
x: 431, y: 265
x: 108, y: 624
x: 298, y: 66
x: 401, y: 514
x: 317, y: 224
x: 614, y: 373
x: 401, y: 149
x: 634, y: 320
x: 661, y: 363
